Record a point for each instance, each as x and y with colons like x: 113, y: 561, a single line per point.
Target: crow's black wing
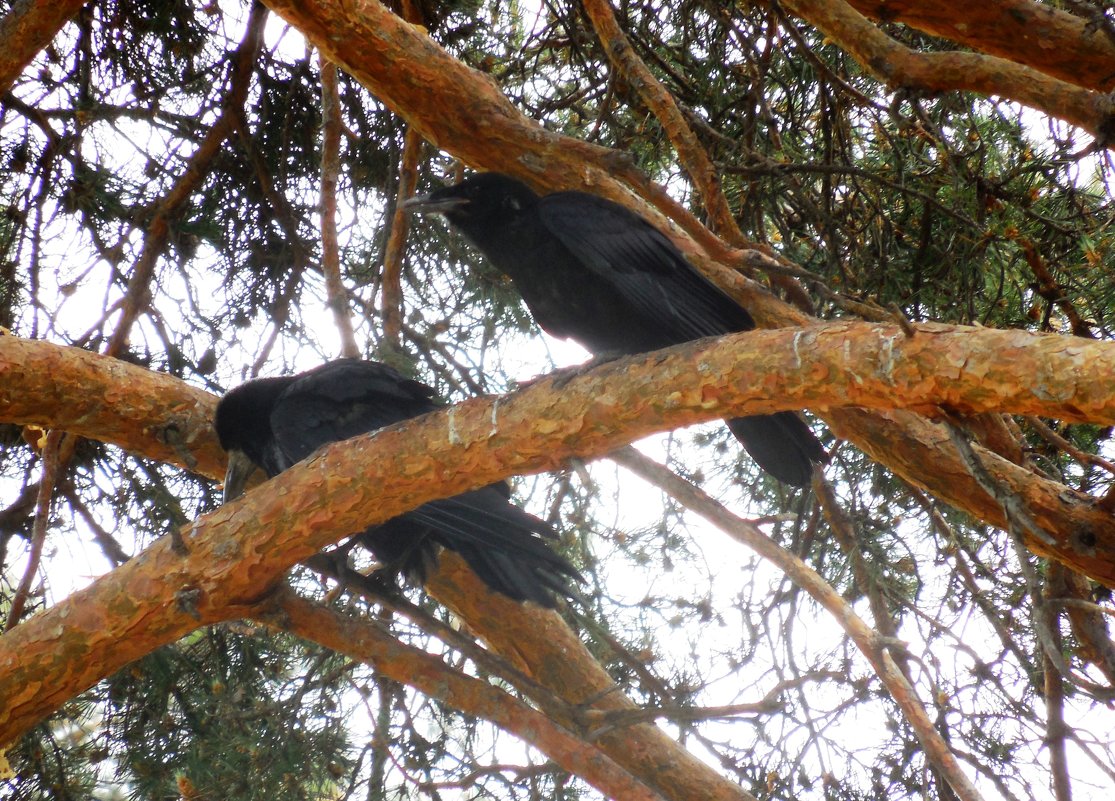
x: 646, y: 268
x: 342, y: 399
x: 503, y: 544
x: 500, y: 542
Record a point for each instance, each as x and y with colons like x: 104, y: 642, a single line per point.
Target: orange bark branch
x: 237, y: 552
x: 1038, y: 35
x: 831, y: 369
x: 26, y: 29
x: 367, y: 642
x: 395, y: 250
x: 50, y: 465
x: 903, y: 68
x: 102, y: 398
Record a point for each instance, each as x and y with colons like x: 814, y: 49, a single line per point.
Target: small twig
x: 51, y: 464
x: 1056, y: 440
x: 871, y: 643
x: 395, y: 249
x: 112, y: 549
x: 866, y: 310
x: 1048, y: 288
x: 1082, y: 604
x: 330, y: 170
x: 900, y: 317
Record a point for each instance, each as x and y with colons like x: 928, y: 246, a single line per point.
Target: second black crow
x: 272, y: 423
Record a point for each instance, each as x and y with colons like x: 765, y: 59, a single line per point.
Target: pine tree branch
x: 236, y: 553
x: 367, y: 642
x: 26, y: 29
x: 337, y: 296
x: 1038, y: 35
x: 832, y: 369
x: 903, y: 68
x: 395, y: 250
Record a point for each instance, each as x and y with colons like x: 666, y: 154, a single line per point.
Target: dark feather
x: 278, y: 422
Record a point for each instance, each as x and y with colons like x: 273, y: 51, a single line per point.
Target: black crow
x: 272, y: 423
x: 597, y: 273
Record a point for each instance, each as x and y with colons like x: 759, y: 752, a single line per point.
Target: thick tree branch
x: 1038, y: 35
x: 236, y: 553
x: 366, y: 641
x: 26, y: 29
x: 902, y: 68
x: 109, y: 400
x: 849, y: 365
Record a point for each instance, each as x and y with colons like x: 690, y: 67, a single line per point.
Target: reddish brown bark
x: 395, y: 251
x: 1062, y: 45
x: 331, y: 125
x: 366, y: 641
x: 26, y: 29
x: 237, y: 553
x: 832, y: 369
x: 903, y: 68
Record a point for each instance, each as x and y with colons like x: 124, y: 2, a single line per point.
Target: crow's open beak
x: 240, y: 469
x: 431, y: 204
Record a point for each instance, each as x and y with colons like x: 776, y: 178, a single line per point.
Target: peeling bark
x: 236, y: 553
x: 1038, y: 35
x: 366, y: 641
x: 26, y: 29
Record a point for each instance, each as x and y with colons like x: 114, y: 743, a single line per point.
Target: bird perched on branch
x: 595, y: 272
x: 272, y: 423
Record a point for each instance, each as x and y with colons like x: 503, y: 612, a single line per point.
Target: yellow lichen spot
x: 6, y: 772
x: 35, y: 436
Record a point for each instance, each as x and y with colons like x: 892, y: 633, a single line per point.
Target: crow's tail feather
x: 501, y: 543
x: 781, y: 444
